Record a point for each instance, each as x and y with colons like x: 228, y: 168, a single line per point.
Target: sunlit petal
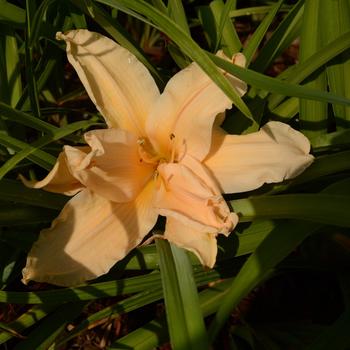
x: 89, y: 236
x: 245, y: 162
x: 192, y: 199
x: 185, y: 112
x: 202, y: 244
x: 119, y: 85
x: 113, y: 168
x: 59, y: 179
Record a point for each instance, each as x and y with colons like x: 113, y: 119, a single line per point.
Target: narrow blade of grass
x: 31, y: 79
x: 285, y: 33
x: 226, y: 34
x: 13, y: 69
x: 313, y: 207
x: 274, y: 85
x: 335, y: 18
x: 43, y: 159
x: 114, y: 311
x: 258, y: 35
x: 26, y: 320
x: 14, y: 115
x: 300, y: 71
x: 313, y: 114
x: 98, y: 290
x: 45, y: 140
x: 184, y: 317
x: 85, y: 292
x: 155, y: 332
x: 177, y: 13
x: 44, y: 335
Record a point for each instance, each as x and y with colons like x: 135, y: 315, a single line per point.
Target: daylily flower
x: 162, y: 154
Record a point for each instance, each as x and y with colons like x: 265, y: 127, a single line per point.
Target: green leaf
x: 226, y: 34
x: 78, y: 18
x: 26, y: 320
x: 313, y: 114
x: 285, y: 33
x: 31, y: 79
x: 16, y: 214
x: 12, y: 14
x: 84, y: 292
x: 331, y: 140
x: 335, y: 22
x: 256, y: 10
x: 45, y: 140
x: 298, y: 72
x: 286, y: 110
x: 274, y: 85
x: 43, y: 159
x: 14, y: 115
x: 98, y: 290
x: 44, y: 335
x: 247, y: 239
x: 322, y: 166
x: 322, y: 208
x: 39, y: 22
x: 155, y: 332
x: 13, y: 69
x: 114, y: 311
x: 43, y: 71
x: 177, y: 13
x: 255, y: 40
x: 276, y: 246
x: 184, y: 317
x: 15, y: 191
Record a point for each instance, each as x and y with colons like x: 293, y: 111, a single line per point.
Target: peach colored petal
x: 202, y: 244
x: 59, y: 179
x: 89, y: 236
x: 245, y: 162
x: 186, y: 196
x: 113, y: 168
x: 120, y: 86
x: 184, y: 114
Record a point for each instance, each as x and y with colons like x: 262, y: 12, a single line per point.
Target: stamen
x: 173, y: 148
x: 146, y: 152
x: 141, y: 141
x: 183, y: 151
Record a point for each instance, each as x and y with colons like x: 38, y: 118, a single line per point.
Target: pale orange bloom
x: 162, y: 154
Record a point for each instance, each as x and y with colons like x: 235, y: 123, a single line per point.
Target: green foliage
x: 43, y: 107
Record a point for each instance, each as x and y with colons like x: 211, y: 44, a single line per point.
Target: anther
x: 141, y: 141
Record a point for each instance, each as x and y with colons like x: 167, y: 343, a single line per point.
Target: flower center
x: 149, y: 155
x: 146, y: 152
